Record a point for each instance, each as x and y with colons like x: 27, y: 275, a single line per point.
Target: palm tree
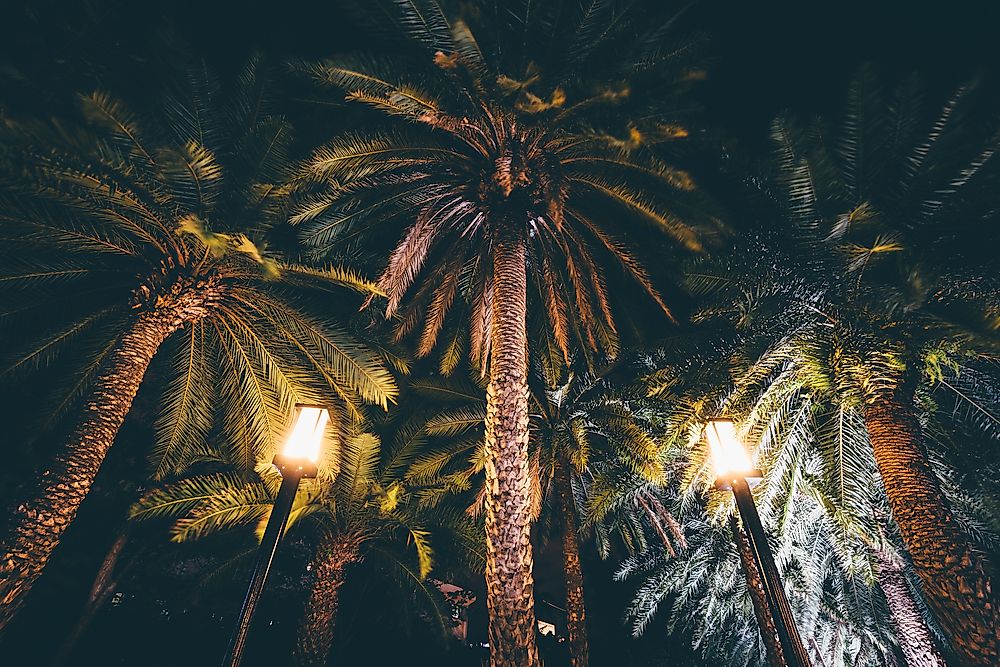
x: 886, y: 291
x: 129, y: 231
x: 508, y: 150
x: 574, y: 427
x: 359, y: 507
x: 790, y: 423
x: 712, y: 589
x: 582, y: 420
x: 814, y: 454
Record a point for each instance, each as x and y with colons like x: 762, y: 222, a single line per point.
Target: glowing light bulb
x: 729, y: 457
x: 306, y: 438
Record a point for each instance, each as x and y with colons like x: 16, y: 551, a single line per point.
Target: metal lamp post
x: 733, y: 471
x: 296, y: 461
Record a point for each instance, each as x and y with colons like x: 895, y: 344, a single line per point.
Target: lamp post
x: 296, y: 461
x: 733, y: 471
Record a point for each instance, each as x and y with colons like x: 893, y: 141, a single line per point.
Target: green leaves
x: 194, y: 174
x: 366, y: 502
x: 142, y: 203
x: 114, y: 116
x: 373, y: 81
x: 455, y: 422
x: 207, y: 504
x: 425, y: 554
x: 639, y: 202
x: 187, y: 411
x: 486, y: 112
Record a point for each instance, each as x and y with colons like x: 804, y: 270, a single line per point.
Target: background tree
x: 885, y: 294
x: 357, y: 509
x: 706, y: 587
x: 814, y: 453
x: 126, y: 230
x: 514, y: 138
x: 584, y: 420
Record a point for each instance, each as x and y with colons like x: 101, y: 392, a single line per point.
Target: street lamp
x: 296, y: 461
x: 733, y: 471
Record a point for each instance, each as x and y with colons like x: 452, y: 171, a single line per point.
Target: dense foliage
x: 508, y: 250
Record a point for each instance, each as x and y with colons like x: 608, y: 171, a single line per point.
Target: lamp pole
x: 733, y: 472
x: 297, y: 462
x: 791, y: 644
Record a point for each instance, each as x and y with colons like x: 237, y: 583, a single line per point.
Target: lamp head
x: 304, y: 442
x: 729, y: 457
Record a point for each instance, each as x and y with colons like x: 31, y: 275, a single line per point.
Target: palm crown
x: 486, y: 139
x: 128, y: 230
x: 884, y: 216
x: 134, y: 214
x: 873, y: 301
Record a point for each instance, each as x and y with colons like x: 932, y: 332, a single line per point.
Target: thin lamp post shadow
x: 297, y: 461
x: 734, y: 472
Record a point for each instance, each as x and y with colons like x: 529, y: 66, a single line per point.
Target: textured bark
x: 100, y: 591
x: 41, y: 522
x: 576, y: 617
x: 915, y: 638
x: 315, y: 635
x: 509, y: 584
x: 758, y: 598
x: 953, y: 575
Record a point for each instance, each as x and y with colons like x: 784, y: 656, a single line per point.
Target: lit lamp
x: 296, y: 461
x: 734, y: 471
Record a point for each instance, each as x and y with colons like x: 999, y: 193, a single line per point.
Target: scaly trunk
x: 100, y: 591
x: 954, y: 577
x: 41, y: 522
x: 576, y: 617
x: 758, y: 598
x: 315, y: 636
x: 509, y: 585
x: 914, y: 636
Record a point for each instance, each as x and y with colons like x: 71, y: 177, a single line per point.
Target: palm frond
x: 187, y: 410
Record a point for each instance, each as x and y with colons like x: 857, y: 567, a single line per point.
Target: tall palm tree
x: 886, y: 289
x: 509, y: 150
x: 359, y: 509
x: 573, y: 427
x: 793, y: 425
x: 124, y: 231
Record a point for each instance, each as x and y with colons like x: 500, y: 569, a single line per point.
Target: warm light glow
x: 728, y: 455
x: 306, y: 438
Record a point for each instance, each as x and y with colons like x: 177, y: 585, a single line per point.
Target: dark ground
x: 767, y: 56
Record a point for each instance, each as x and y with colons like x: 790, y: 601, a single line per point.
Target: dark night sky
x: 765, y: 57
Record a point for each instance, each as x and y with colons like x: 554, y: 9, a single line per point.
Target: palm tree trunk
x: 509, y: 584
x: 758, y: 598
x: 914, y: 636
x: 41, y: 522
x: 576, y: 617
x: 959, y: 591
x: 315, y: 635
x: 100, y: 591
